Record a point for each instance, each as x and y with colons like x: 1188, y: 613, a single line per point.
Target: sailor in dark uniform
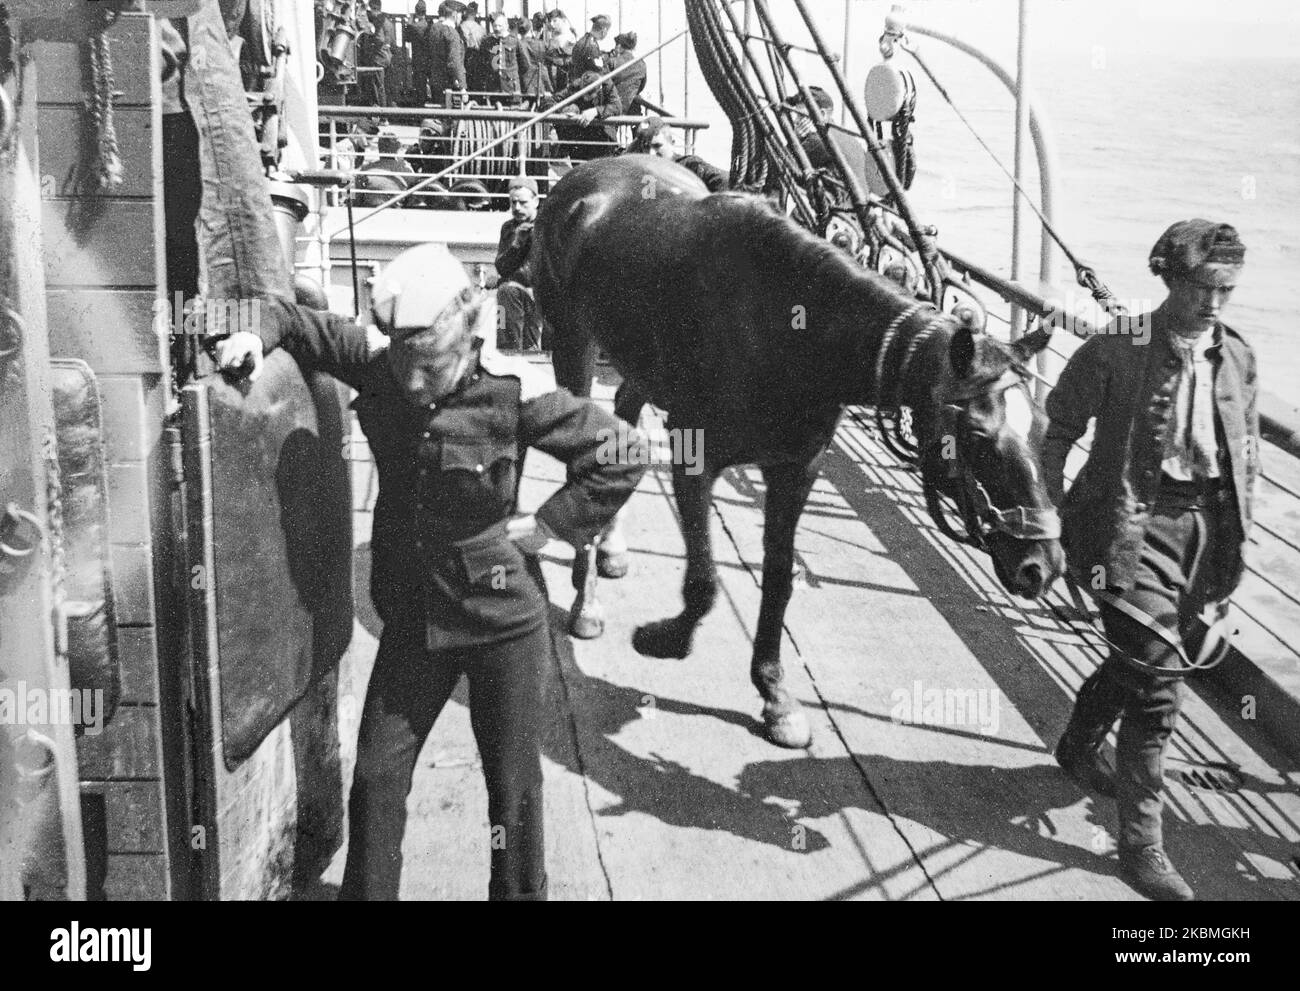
x: 449, y: 422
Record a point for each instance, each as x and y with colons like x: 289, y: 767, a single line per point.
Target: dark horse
x: 744, y: 326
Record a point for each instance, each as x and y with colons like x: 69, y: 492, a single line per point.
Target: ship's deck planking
x: 658, y: 785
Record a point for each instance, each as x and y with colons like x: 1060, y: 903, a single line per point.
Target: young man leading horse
x: 1157, y: 520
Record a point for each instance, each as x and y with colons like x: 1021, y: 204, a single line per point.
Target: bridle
x: 980, y: 515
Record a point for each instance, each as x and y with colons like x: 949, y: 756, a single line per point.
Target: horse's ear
x: 961, y: 352
x: 1031, y: 344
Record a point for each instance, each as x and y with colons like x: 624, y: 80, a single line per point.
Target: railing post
x: 1018, y: 316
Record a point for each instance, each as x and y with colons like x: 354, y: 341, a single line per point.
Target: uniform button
x: 427, y: 435
x: 479, y: 469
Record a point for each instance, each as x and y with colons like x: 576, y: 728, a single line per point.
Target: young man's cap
x: 1189, y: 244
x: 601, y: 21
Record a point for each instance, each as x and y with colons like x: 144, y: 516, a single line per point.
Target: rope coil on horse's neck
x: 886, y: 341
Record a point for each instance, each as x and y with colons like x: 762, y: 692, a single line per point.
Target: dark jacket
x: 605, y: 99
x: 632, y: 82
x: 595, y: 140
x: 448, y: 479
x: 514, y: 253
x: 1131, y: 389
x: 587, y: 57
x: 717, y: 180
x: 420, y: 36
x: 448, y: 54
x: 506, y: 63
x: 538, y: 78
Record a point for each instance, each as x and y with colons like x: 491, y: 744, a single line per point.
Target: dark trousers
x: 1147, y: 696
x: 422, y: 83
x: 408, y: 689
x: 521, y: 324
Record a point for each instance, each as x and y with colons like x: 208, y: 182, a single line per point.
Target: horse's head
x: 979, y: 449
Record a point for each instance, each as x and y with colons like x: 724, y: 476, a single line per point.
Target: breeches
x: 521, y: 324
x: 1147, y: 695
x: 408, y: 689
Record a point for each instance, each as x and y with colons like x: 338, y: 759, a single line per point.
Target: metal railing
x: 543, y: 151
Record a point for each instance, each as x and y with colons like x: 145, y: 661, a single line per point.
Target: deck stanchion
x: 1018, y: 316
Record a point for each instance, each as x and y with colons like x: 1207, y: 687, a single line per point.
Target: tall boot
x: 1144, y: 732
x: 1079, y: 751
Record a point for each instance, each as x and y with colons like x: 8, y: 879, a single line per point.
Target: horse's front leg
x: 672, y: 637
x: 787, y: 491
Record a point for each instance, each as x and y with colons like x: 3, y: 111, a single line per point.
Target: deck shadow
x: 930, y: 801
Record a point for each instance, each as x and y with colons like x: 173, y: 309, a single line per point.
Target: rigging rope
x: 751, y: 160
x: 1086, y: 276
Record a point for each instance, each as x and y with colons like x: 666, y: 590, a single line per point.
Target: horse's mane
x: 807, y: 261
x: 811, y: 260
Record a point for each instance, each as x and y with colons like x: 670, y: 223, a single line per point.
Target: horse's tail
x: 573, y: 346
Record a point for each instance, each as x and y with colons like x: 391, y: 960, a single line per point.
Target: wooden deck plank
x: 1206, y: 831
x: 690, y: 801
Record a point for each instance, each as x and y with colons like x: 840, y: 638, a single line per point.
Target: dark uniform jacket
x: 447, y: 51
x: 448, y: 480
x: 605, y: 99
x: 538, y: 78
x: 506, y: 63
x: 717, y: 180
x: 420, y: 36
x: 632, y: 82
x: 587, y: 57
x: 1131, y: 390
x: 514, y: 253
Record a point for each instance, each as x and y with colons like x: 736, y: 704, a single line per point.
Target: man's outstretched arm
x: 322, y: 341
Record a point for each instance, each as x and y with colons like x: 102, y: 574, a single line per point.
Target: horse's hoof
x: 613, y: 566
x: 586, y: 624
x: 664, y: 640
x: 787, y: 729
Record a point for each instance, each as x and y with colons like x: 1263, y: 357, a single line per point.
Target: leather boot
x: 1144, y: 732
x: 1080, y: 749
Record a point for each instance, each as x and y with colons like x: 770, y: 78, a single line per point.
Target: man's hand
x: 589, y: 115
x: 241, y: 351
x: 529, y: 534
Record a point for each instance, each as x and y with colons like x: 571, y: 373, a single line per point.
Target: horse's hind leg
x: 612, y: 557
x: 787, y: 492
x: 672, y: 637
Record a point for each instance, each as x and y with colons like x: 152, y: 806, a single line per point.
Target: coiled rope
x: 751, y: 164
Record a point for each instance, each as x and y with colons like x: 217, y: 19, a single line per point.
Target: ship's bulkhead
x: 206, y: 540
